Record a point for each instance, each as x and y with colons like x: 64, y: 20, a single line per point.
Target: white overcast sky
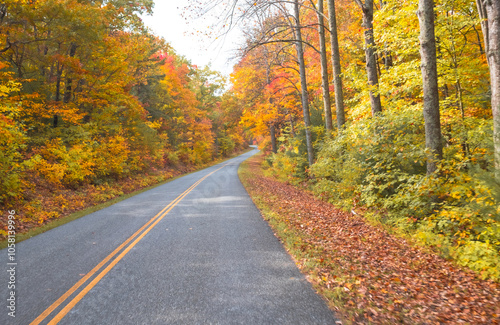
x: 167, y: 22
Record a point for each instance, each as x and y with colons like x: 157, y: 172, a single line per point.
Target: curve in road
x: 192, y: 251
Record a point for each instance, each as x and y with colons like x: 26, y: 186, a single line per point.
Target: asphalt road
x: 208, y: 258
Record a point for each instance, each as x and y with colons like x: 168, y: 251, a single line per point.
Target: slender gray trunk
x: 272, y: 127
x: 272, y: 130
x: 433, y: 137
x: 371, y: 62
x: 337, y: 72
x: 489, y: 12
x: 387, y: 55
x: 69, y: 81
x: 59, y: 70
x: 292, y: 127
x: 324, y: 69
x: 303, y: 82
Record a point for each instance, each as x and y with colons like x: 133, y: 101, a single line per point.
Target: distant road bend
x: 192, y: 251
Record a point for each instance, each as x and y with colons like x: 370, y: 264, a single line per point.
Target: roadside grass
x: 96, y: 204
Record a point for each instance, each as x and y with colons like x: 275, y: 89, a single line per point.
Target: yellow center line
x: 151, y: 223
x: 68, y: 293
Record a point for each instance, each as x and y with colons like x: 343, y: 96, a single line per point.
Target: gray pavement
x: 211, y: 260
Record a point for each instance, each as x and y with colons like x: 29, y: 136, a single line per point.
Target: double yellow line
x: 135, y: 238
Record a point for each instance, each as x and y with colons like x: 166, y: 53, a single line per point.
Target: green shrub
x: 380, y: 163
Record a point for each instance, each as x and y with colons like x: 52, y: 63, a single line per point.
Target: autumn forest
x: 386, y: 108
x: 90, y: 97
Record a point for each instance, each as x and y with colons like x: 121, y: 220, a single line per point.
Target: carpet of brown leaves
x: 376, y: 277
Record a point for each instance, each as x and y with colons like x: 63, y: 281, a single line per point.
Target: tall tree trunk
x: 59, y: 70
x: 479, y: 44
x: 272, y: 131
x: 433, y: 137
x: 387, y: 55
x: 371, y: 61
x: 337, y: 80
x: 67, y: 90
x: 272, y: 127
x: 460, y: 105
x: 489, y: 12
x: 324, y: 69
x: 303, y: 82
